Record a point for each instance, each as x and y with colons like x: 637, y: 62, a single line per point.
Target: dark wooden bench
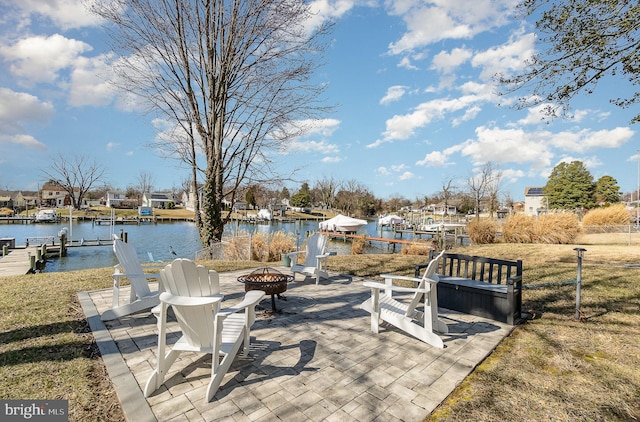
x: 475, y: 285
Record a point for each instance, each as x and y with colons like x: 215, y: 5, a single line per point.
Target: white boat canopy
x: 342, y: 223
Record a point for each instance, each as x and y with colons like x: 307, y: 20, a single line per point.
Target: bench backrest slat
x: 488, y: 270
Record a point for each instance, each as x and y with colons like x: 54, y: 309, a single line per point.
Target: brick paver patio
x: 317, y: 360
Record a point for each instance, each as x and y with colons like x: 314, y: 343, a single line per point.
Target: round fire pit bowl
x: 269, y: 280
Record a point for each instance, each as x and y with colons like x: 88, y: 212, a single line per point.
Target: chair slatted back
x: 429, y: 274
x: 128, y: 260
x: 184, y: 278
x: 316, y: 245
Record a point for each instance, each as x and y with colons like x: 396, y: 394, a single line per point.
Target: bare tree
x: 233, y: 76
x: 144, y: 183
x: 76, y: 177
x: 326, y: 188
x: 483, y: 184
x: 448, y: 191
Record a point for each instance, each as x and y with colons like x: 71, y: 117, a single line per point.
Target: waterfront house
x: 52, y: 195
x: 535, y: 201
x: 120, y: 200
x: 158, y: 200
x: 25, y: 200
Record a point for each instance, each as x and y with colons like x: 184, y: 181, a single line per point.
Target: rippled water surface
x: 159, y: 239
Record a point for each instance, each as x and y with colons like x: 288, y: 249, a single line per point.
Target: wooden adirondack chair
x: 141, y: 296
x: 420, y: 324
x: 193, y: 292
x: 315, y: 261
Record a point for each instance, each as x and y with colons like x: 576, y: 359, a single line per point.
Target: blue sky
x: 412, y: 80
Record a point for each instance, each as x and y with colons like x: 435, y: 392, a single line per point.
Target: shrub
x: 560, y: 228
x: 519, y: 228
x: 482, y: 231
x: 357, y: 245
x: 268, y: 247
x: 615, y: 215
x: 557, y: 228
x: 420, y: 248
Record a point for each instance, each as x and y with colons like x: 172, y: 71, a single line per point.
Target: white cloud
x: 334, y: 159
x: 324, y: 10
x: 17, y: 107
x: 407, y: 175
x: 586, y: 139
x: 469, y: 114
x: 512, y: 175
x: 394, y: 93
x: 405, y: 62
x: 435, y: 159
x: 321, y: 147
x: 447, y: 62
x: 39, y: 59
x: 383, y: 171
x: 27, y: 141
x: 401, y: 127
x: 66, y: 14
x: 505, y: 58
x: 432, y: 21
x: 322, y: 127
x: 90, y: 82
x: 507, y: 146
x: 18, y: 110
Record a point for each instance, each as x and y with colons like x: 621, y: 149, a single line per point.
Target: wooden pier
x: 18, y: 261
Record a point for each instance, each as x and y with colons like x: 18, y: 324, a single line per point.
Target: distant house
x: 6, y: 201
x: 240, y: 206
x: 24, y: 200
x: 439, y: 209
x: 120, y: 200
x: 53, y: 195
x: 535, y: 201
x: 157, y: 200
x: 189, y: 198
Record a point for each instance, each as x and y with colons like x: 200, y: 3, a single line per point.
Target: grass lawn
x: 551, y: 368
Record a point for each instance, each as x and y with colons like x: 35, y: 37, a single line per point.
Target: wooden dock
x: 17, y: 261
x: 345, y: 236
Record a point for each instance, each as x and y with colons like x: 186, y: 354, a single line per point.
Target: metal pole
x: 580, y: 252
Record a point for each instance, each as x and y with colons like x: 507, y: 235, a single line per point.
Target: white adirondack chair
x: 193, y: 292
x: 315, y: 261
x: 420, y: 324
x: 141, y: 296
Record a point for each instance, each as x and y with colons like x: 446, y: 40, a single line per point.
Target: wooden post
x: 63, y: 244
x: 580, y: 253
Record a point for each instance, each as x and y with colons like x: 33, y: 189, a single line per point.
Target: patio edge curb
x: 134, y: 405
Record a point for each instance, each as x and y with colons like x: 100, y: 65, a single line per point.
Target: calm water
x: 159, y: 239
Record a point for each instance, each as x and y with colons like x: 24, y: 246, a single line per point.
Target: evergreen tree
x: 570, y: 186
x: 607, y: 190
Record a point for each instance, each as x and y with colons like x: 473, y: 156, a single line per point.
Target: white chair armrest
x: 125, y: 275
x: 400, y: 277
x: 170, y: 299
x: 381, y: 286
x: 251, y: 298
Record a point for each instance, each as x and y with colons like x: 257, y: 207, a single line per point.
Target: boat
x: 342, y: 223
x: 46, y: 215
x: 390, y: 220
